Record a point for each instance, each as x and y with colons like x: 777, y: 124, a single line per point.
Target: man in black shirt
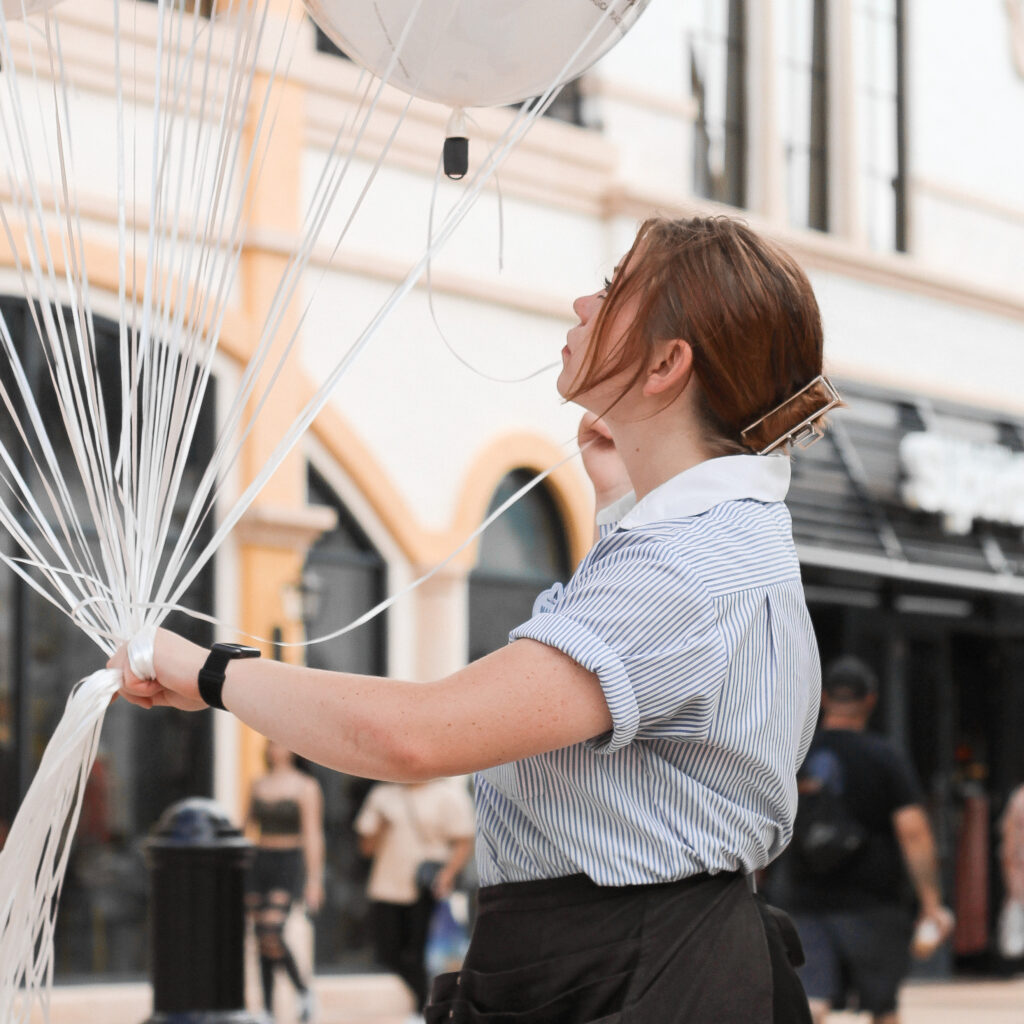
x: 861, y: 835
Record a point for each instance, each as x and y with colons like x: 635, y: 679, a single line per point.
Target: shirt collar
x: 695, y: 490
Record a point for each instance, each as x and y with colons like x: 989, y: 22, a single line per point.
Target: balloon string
x: 501, y: 201
x: 140, y: 647
x: 126, y: 574
x: 430, y: 284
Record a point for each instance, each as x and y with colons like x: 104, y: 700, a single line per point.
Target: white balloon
x: 476, y: 53
x: 16, y: 9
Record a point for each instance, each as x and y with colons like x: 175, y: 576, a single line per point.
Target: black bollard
x: 197, y: 863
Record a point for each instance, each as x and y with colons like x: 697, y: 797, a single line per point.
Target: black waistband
x: 577, y: 889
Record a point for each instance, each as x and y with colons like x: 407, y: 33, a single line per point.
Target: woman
x: 638, y: 741
x: 286, y: 810
x: 403, y: 827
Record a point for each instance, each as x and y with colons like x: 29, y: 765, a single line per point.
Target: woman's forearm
x: 360, y: 725
x: 524, y: 699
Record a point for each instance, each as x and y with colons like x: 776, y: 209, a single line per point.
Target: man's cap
x: 848, y: 678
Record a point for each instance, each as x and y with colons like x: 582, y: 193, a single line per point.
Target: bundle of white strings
x: 97, y: 538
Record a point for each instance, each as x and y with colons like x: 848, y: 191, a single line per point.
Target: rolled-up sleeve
x: 646, y: 627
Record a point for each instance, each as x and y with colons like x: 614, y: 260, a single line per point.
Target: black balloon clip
x: 456, y: 156
x: 456, y: 146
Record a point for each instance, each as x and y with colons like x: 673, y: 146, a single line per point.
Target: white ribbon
x: 141, y: 653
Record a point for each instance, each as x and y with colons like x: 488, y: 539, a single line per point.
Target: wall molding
x: 816, y: 250
x: 973, y: 201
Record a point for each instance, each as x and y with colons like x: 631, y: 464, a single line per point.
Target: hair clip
x: 807, y: 431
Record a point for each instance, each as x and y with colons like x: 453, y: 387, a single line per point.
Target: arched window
x: 523, y: 552
x: 145, y: 762
x: 344, y: 576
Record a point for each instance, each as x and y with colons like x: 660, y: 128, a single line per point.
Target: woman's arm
x: 312, y: 807
x: 445, y: 881
x: 524, y: 699
x: 249, y: 826
x: 368, y: 844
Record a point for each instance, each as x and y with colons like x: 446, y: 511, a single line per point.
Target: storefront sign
x: 962, y: 481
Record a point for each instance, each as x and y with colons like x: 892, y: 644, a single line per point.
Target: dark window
x: 568, y: 104
x: 205, y: 7
x: 523, y: 552
x: 344, y: 577
x: 804, y: 121
x: 880, y: 83
x: 144, y: 762
x: 325, y: 44
x: 718, y: 72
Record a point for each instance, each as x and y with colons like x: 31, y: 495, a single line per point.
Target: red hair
x: 743, y: 305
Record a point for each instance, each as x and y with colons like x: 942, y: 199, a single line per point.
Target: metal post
x: 197, y: 862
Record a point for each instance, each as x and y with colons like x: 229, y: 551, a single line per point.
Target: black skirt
x: 277, y: 871
x: 566, y: 951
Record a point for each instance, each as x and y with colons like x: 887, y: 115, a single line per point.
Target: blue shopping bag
x: 448, y: 937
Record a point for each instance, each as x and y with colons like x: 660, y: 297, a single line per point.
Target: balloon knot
x: 141, y: 650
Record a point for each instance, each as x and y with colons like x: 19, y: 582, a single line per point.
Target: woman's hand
x: 444, y: 882
x: 602, y: 462
x: 177, y: 662
x: 933, y: 927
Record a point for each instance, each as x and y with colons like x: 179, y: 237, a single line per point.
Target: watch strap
x: 211, y: 675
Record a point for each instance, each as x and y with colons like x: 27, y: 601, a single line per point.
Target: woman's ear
x: 669, y: 368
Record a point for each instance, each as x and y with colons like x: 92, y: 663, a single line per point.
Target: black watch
x: 211, y: 675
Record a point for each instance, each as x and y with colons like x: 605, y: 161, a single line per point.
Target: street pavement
x: 955, y: 1002
x: 380, y: 999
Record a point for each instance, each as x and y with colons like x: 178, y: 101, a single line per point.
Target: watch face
x: 237, y: 650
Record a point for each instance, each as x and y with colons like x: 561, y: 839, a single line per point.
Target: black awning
x: 847, y: 500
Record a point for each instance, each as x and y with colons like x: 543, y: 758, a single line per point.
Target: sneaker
x: 307, y: 1006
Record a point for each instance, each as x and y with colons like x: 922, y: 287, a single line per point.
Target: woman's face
x: 579, y: 340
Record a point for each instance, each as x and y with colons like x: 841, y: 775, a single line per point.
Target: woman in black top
x: 286, y: 808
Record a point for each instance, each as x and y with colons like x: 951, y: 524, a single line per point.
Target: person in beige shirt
x: 400, y: 827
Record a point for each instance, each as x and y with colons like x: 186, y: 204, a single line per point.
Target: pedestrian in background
x: 420, y: 837
x: 286, y: 810
x: 861, y: 835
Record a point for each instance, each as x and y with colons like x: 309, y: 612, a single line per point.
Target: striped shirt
x: 690, y: 611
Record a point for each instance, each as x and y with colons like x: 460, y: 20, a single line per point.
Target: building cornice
x: 558, y: 164
x: 964, y: 198
x: 287, y: 528
x: 815, y: 251
x: 603, y: 87
x: 818, y: 251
